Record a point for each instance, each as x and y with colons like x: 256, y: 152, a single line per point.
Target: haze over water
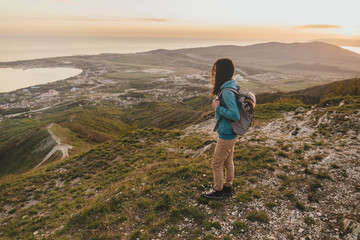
x: 24, y: 48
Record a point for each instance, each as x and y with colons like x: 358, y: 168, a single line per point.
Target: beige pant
x: 223, y: 157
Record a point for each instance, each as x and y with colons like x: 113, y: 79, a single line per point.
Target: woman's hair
x: 222, y: 71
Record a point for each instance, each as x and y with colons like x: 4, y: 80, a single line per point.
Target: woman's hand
x: 215, y: 103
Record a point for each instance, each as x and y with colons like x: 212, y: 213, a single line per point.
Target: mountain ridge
x: 295, y: 178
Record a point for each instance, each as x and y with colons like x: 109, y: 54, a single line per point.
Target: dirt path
x: 64, y: 148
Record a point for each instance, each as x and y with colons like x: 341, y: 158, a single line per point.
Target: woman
x: 225, y: 109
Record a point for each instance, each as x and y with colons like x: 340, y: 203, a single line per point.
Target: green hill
x: 146, y: 184
x: 315, y: 94
x: 24, y: 142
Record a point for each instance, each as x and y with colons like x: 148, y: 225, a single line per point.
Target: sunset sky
x: 255, y: 20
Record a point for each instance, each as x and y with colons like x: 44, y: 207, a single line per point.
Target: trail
x: 64, y: 148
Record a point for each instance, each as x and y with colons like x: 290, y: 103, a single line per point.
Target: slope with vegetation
x: 315, y: 94
x: 297, y: 176
x: 24, y: 142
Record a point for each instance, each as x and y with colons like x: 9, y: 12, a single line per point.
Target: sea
x: 13, y: 79
x: 13, y: 48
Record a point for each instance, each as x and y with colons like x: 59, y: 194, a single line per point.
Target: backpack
x: 246, y: 102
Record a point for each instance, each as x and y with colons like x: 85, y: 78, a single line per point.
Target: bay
x: 12, y: 79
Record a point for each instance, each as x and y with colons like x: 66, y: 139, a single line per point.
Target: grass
x: 274, y: 110
x: 248, y: 196
x: 270, y: 205
x: 167, y: 115
x: 123, y: 182
x: 68, y: 137
x: 258, y: 216
x: 239, y: 227
x: 134, y: 184
x: 323, y: 175
x: 83, y: 127
x: 215, y: 225
x: 309, y: 221
x: 299, y: 205
x: 34, y: 148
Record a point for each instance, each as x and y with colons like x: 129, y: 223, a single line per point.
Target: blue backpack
x: 246, y: 102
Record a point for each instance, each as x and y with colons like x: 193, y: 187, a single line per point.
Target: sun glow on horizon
x: 258, y: 20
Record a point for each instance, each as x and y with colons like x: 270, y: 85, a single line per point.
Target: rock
x: 35, y: 233
x: 352, y: 227
x: 59, y: 183
x: 300, y: 110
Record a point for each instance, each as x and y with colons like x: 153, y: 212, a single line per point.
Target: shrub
x: 290, y: 196
x: 323, y: 175
x: 270, y: 204
x: 194, y: 213
x: 258, y: 216
x: 239, y: 227
x: 244, y: 197
x: 289, y: 101
x: 282, y: 154
x: 309, y: 221
x: 216, y: 204
x: 313, y: 187
x: 164, y: 203
x: 306, y: 147
x: 300, y: 206
x: 135, y: 235
x: 256, y: 194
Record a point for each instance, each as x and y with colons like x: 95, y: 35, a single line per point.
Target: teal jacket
x: 229, y: 110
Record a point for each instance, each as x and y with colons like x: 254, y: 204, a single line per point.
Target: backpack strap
x: 227, y: 89
x: 217, y: 123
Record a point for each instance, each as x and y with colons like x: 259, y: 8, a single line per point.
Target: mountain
x: 314, y: 95
x: 276, y: 66
x: 163, y: 88
x: 138, y: 130
x: 296, y: 177
x: 314, y: 52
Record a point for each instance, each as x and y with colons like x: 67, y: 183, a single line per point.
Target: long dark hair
x: 222, y: 71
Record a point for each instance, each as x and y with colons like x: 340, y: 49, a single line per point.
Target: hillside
x: 297, y: 176
x: 25, y: 142
x: 314, y: 95
x: 275, y: 53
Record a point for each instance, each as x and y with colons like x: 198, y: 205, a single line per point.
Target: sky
x: 250, y: 20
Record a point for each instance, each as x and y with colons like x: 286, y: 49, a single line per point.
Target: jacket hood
x: 230, y: 84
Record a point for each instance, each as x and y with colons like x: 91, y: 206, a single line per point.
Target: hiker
x: 221, y: 77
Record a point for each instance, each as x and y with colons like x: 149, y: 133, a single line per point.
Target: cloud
x: 119, y: 19
x: 90, y: 19
x: 151, y: 19
x: 318, y: 26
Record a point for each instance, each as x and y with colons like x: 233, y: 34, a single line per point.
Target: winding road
x: 64, y: 148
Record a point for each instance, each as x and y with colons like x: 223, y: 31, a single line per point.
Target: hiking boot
x: 227, y: 191
x: 213, y: 194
